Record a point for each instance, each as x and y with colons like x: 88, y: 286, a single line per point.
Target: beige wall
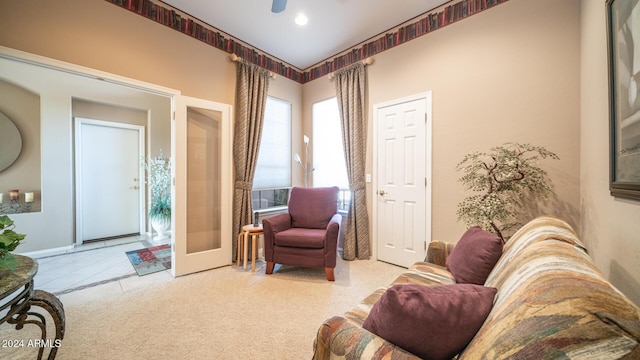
x: 507, y: 74
x: 106, y: 112
x: 22, y: 108
x: 610, y: 226
x: 103, y: 36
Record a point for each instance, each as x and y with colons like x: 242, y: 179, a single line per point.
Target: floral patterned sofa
x: 551, y: 303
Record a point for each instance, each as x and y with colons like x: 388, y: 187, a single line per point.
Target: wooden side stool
x: 243, y: 244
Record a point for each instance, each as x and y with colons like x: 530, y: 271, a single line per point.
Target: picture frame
x: 623, y: 43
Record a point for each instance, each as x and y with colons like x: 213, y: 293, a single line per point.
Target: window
x: 272, y: 179
x: 330, y: 168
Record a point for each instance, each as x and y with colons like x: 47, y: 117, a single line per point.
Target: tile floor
x: 89, y: 265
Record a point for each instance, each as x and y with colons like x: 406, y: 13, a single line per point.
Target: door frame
x: 78, y: 122
x: 427, y: 96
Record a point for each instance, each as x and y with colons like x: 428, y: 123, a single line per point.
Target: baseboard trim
x: 48, y: 252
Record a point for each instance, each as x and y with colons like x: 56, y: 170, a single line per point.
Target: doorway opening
x: 65, y: 92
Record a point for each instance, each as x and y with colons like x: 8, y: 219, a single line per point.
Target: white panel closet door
x: 403, y: 221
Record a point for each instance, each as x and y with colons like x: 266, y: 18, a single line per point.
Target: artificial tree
x: 503, y: 177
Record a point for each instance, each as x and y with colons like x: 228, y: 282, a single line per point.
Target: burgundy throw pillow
x: 474, y: 256
x: 432, y: 322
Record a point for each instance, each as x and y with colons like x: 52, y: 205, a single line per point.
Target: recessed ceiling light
x: 301, y: 19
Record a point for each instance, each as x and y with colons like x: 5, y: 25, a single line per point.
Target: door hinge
x: 173, y: 116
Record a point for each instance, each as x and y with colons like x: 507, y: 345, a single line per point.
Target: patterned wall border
x: 410, y: 30
x: 186, y: 24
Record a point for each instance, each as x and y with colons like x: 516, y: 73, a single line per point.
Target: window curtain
x: 351, y: 91
x: 252, y: 83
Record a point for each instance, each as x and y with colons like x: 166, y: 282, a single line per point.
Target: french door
x: 202, y: 191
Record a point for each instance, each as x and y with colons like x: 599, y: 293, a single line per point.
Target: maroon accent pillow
x: 313, y: 208
x: 474, y: 256
x: 432, y: 322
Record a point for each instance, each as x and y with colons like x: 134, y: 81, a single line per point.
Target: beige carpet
x: 226, y: 313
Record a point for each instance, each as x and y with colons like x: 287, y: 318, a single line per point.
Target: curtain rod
x: 236, y: 58
x: 365, y: 62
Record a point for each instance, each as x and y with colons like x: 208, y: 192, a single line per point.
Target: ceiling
x: 334, y: 25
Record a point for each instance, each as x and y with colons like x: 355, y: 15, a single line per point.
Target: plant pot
x: 160, y: 225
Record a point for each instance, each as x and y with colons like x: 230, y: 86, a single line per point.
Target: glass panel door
x: 203, y: 174
x: 203, y: 179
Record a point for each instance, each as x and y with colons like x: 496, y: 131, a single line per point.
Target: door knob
x: 382, y: 192
x: 134, y: 187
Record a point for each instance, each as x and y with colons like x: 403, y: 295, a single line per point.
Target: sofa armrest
x: 438, y: 252
x: 333, y: 230
x: 336, y: 218
x: 340, y: 338
x: 271, y: 226
x: 331, y: 241
x: 277, y: 223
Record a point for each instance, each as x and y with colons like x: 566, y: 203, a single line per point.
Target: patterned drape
x: 252, y: 83
x: 351, y: 87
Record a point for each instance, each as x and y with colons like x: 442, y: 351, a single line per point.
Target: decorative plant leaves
x: 9, y: 240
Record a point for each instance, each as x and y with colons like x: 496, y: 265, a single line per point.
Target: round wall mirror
x: 10, y: 142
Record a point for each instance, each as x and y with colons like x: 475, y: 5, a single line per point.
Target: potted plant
x: 159, y: 180
x: 503, y: 177
x: 9, y: 240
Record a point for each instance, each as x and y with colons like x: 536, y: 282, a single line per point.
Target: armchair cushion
x: 301, y: 238
x: 312, y: 208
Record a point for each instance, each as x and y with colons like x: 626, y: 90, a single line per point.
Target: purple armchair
x: 308, y: 234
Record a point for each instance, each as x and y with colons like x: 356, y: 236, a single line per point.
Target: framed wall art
x: 623, y: 38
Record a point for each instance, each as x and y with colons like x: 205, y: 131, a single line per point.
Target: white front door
x: 203, y: 192
x: 108, y: 172
x: 403, y: 186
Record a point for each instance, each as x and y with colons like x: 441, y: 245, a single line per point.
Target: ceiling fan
x: 278, y: 6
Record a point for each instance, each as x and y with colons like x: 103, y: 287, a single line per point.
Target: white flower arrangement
x: 158, y: 171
